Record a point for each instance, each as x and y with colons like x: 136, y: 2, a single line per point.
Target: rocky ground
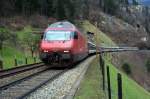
x: 120, y: 31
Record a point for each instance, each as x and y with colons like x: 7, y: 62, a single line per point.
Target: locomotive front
x: 56, y: 46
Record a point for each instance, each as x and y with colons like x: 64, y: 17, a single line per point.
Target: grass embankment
x: 90, y: 86
x: 131, y: 90
x: 10, y: 52
x: 102, y: 39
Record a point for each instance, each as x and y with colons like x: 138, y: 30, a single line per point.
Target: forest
x: 60, y: 9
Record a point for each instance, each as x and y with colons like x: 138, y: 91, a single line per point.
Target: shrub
x: 148, y: 65
x: 126, y: 68
x: 142, y: 45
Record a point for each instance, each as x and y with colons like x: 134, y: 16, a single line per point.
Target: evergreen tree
x: 110, y: 6
x: 101, y: 3
x: 70, y: 9
x: 60, y: 10
x: 134, y: 2
x: 126, y: 2
x: 50, y: 8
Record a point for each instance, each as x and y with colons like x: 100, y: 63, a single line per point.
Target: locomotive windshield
x: 57, y: 35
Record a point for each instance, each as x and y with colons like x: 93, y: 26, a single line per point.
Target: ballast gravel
x: 60, y: 87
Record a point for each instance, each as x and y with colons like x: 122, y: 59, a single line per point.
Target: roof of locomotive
x: 64, y: 25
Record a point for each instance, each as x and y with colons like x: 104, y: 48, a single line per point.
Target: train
x: 63, y: 42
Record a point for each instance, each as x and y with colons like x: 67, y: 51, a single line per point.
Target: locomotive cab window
x: 57, y: 35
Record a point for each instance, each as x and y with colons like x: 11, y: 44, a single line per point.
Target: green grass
x: 102, y: 38
x: 91, y: 87
x: 21, y: 34
x: 9, y: 52
x: 8, y: 56
x: 131, y: 90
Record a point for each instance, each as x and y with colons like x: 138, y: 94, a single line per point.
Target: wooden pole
x: 108, y: 83
x: 119, y: 78
x: 103, y: 74
x: 96, y: 39
x: 26, y: 60
x: 15, y: 60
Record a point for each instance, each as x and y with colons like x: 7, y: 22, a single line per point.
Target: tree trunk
x: 1, y: 44
x: 1, y: 47
x: 101, y: 3
x: 1, y: 64
x: 32, y: 51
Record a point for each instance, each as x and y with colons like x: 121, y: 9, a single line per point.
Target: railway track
x: 28, y: 83
x: 23, y: 87
x: 12, y: 76
x: 21, y: 69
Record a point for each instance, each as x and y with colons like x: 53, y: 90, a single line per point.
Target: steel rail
x: 42, y: 84
x: 21, y: 69
x: 20, y: 80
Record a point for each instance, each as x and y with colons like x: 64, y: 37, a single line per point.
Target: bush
x: 142, y: 45
x: 126, y: 68
x: 148, y: 65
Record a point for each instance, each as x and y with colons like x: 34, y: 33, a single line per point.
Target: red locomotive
x: 63, y: 42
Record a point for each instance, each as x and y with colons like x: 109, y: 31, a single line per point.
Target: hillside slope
x: 131, y: 90
x: 120, y: 31
x: 16, y: 45
x: 125, y: 34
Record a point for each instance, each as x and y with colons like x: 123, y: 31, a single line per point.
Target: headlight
x: 45, y: 51
x: 66, y: 51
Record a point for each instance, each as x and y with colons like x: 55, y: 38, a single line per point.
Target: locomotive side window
x: 42, y: 36
x: 75, y: 35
